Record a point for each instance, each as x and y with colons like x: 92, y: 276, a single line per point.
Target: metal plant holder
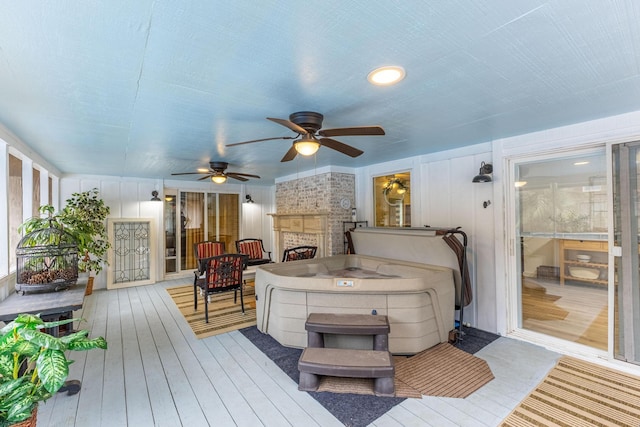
x: 47, y: 261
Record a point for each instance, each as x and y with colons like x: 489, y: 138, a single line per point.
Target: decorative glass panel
x: 131, y: 247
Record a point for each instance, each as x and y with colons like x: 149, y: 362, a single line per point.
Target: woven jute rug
x: 442, y: 370
x: 578, y: 393
x: 224, y: 315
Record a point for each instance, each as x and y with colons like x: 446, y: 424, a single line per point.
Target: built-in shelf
x: 569, y: 249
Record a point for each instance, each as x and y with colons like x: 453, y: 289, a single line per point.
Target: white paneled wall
x: 444, y: 196
x: 256, y: 221
x: 126, y: 198
x: 131, y: 198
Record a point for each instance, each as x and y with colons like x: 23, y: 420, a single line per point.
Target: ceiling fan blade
x: 248, y: 175
x: 341, y: 147
x: 291, y: 154
x: 205, y: 177
x: 189, y: 173
x: 235, y: 176
x: 260, y: 140
x: 286, y: 123
x: 355, y: 131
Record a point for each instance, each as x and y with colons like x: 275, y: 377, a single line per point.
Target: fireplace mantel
x: 315, y: 223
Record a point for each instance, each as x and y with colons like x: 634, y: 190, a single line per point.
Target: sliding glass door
x: 192, y: 217
x: 561, y: 234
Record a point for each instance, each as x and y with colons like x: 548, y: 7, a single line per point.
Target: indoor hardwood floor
x: 156, y: 373
x: 573, y: 312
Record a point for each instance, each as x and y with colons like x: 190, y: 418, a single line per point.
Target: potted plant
x: 84, y: 218
x: 33, y: 364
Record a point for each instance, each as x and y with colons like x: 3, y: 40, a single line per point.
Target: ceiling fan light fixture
x: 306, y: 146
x: 385, y: 76
x: 219, y: 179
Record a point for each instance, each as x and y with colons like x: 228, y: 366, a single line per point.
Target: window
x: 392, y: 198
x: 35, y: 206
x: 15, y: 207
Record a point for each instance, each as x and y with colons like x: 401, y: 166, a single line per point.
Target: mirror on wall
x: 392, y: 198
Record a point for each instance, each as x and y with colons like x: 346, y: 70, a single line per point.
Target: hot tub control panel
x: 345, y: 283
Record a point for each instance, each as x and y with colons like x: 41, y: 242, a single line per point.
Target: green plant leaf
x: 87, y: 344
x: 47, y: 325
x: 7, y: 341
x: 53, y: 369
x: 21, y: 410
x: 9, y: 386
x: 16, y: 395
x: 28, y: 321
x: 43, y: 340
x: 6, y: 367
x: 25, y: 348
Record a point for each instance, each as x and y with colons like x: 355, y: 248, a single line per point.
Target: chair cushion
x: 253, y: 249
x: 208, y: 249
x: 224, y: 272
x: 292, y: 256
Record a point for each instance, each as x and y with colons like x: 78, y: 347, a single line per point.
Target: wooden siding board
x: 90, y: 400
x: 311, y: 406
x: 137, y: 394
x: 162, y: 346
x: 162, y: 405
x: 233, y: 400
x: 289, y: 409
x: 229, y: 355
x: 114, y: 406
x: 184, y: 397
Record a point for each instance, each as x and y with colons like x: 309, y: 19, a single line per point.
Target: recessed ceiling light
x: 384, y: 76
x: 580, y: 163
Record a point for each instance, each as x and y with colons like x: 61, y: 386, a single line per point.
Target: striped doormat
x: 578, y: 393
x: 442, y: 370
x: 224, y: 315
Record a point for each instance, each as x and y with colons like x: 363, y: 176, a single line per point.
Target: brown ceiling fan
x: 218, y: 175
x: 308, y: 126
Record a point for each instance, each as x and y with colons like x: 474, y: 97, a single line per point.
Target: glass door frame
x: 625, y: 256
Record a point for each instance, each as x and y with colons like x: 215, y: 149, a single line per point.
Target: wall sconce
x: 483, y: 175
x: 155, y: 197
x: 248, y: 199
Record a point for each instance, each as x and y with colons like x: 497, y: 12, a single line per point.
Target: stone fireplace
x: 309, y: 212
x: 301, y: 229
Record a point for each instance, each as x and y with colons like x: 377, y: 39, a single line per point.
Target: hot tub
x: 417, y: 298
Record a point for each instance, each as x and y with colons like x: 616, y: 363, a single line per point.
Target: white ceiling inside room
x: 148, y: 88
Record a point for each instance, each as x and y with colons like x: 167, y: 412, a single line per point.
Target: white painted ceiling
x: 147, y: 88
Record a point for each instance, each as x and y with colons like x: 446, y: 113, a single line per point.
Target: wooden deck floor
x: 156, y: 373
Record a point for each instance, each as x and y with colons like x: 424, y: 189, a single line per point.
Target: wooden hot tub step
x: 348, y: 324
x: 338, y: 362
